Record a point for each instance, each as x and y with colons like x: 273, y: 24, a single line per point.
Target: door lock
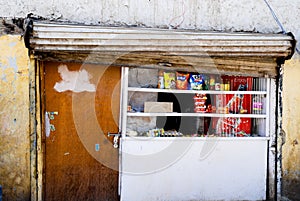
x: 116, y: 138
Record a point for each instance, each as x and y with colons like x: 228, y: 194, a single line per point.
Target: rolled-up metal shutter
x: 208, y: 52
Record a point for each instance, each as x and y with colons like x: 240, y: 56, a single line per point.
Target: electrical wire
x: 182, y: 15
x: 275, y: 17
x: 278, y: 22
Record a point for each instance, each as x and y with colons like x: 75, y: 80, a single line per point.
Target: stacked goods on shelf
x: 234, y: 104
x: 200, y: 103
x: 191, y: 81
x: 160, y: 132
x: 222, y: 103
x: 182, y: 80
x: 171, y: 133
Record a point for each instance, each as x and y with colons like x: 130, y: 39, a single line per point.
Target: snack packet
x: 169, y: 80
x: 196, y: 82
x: 182, y: 80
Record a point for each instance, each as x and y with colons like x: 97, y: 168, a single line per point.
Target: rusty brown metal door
x: 81, y: 104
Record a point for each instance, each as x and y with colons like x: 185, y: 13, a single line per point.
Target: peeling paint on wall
x: 76, y: 81
x: 291, y: 126
x: 11, y: 26
x: 14, y: 119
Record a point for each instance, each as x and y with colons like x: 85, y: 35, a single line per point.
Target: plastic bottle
x: 212, y: 82
x: 227, y: 85
x: 217, y: 84
x: 160, y: 83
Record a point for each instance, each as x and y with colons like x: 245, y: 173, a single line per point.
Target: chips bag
x: 169, y: 79
x: 182, y: 80
x: 196, y: 82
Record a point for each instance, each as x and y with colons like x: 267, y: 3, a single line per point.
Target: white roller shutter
x: 231, y: 53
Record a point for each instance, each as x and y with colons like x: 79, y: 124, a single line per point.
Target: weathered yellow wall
x: 291, y: 126
x: 14, y: 119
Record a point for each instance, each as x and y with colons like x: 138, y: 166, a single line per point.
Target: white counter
x: 193, y: 168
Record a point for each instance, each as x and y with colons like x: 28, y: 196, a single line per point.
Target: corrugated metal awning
x: 243, y: 53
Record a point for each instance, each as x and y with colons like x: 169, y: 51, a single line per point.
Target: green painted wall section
x: 14, y: 119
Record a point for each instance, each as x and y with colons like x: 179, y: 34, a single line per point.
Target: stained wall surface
x: 193, y: 14
x: 291, y: 127
x: 14, y: 119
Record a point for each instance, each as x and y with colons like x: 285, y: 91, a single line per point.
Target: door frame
x: 37, y: 128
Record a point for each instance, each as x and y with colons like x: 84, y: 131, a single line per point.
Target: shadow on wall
x: 290, y: 187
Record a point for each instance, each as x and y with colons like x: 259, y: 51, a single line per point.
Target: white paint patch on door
x: 76, y: 81
x: 47, y: 125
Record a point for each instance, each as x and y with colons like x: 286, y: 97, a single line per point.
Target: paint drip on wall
x: 76, y: 81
